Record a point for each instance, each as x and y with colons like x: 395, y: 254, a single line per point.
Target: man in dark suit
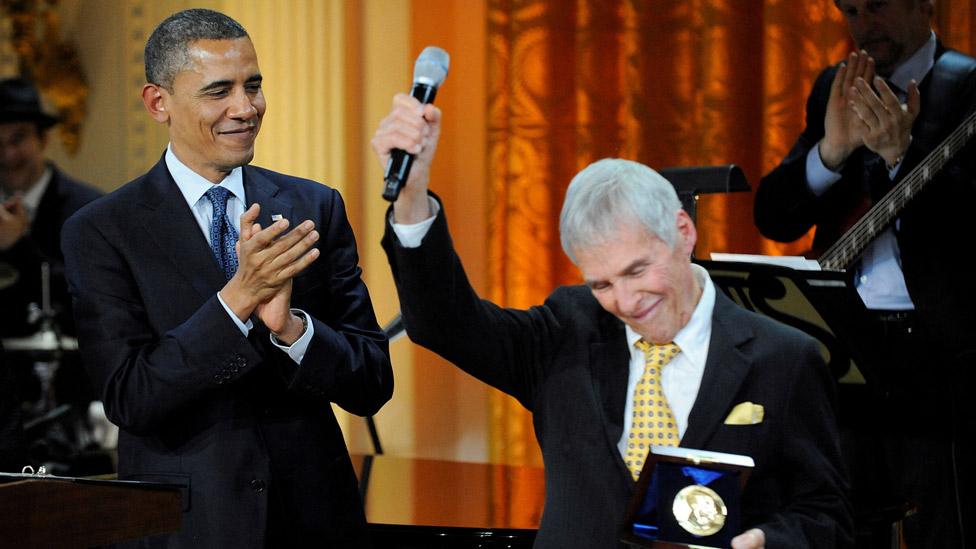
x: 581, y: 360
x: 870, y: 122
x: 35, y: 200
x: 219, y: 365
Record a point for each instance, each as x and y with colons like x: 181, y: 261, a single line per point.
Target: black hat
x: 19, y: 102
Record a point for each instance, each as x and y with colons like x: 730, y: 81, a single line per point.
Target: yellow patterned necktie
x: 652, y: 422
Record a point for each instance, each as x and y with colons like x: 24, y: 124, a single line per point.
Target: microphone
x: 429, y: 73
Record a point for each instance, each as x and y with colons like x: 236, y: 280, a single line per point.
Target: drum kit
x: 47, y: 346
x: 59, y: 435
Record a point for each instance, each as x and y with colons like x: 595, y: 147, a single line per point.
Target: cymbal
x: 41, y: 341
x: 8, y: 275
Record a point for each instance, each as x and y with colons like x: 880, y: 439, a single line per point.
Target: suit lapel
x: 259, y: 189
x: 175, y: 232
x: 609, y: 360
x: 725, y: 369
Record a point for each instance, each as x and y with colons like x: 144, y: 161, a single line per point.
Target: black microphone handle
x: 398, y: 168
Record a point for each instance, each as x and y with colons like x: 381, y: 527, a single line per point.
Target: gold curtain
x: 664, y: 82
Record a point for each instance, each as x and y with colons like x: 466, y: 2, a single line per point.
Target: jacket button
x: 257, y: 485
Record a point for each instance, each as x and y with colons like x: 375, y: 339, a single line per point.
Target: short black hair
x: 167, y: 50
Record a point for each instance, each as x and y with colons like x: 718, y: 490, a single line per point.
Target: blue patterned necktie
x: 223, y: 235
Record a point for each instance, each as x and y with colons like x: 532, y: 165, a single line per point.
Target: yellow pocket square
x: 745, y: 413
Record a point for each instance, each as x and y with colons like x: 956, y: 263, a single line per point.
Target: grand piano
x: 432, y: 504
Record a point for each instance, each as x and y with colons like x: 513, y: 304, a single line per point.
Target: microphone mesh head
x: 431, y: 66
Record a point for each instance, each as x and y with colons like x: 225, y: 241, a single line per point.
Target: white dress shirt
x: 194, y: 188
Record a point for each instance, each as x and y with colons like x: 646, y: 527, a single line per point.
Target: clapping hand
x: 268, y: 260
x: 863, y: 111
x: 886, y: 123
x: 843, y: 130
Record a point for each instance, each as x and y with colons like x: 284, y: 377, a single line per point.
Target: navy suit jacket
x: 230, y: 418
x: 567, y: 362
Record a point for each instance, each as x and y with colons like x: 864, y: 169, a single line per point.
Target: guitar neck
x: 849, y: 247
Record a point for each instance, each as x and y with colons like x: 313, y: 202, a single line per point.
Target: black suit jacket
x: 567, y: 362
x: 934, y: 228
x: 232, y: 419
x: 63, y: 197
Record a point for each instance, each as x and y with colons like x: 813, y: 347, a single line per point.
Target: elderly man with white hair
x: 646, y: 322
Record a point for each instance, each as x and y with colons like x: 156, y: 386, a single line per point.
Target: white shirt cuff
x: 297, y: 349
x: 245, y: 328
x: 819, y: 177
x: 410, y: 236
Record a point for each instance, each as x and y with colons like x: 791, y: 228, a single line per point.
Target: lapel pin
x: 275, y: 217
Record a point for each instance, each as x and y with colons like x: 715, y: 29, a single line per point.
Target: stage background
x: 538, y: 89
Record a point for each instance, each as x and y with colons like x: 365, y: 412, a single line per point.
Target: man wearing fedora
x: 35, y: 200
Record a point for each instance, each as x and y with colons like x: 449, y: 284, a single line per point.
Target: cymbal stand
x: 46, y: 367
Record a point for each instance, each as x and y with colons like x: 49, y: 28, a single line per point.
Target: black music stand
x: 690, y: 182
x: 823, y: 304
x: 393, y: 330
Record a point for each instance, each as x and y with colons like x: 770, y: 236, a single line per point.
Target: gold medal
x: 699, y: 510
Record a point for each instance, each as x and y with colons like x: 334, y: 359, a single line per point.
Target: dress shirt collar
x: 693, y: 337
x: 916, y: 66
x: 194, y: 186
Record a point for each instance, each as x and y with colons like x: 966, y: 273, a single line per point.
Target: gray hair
x: 610, y: 193
x: 167, y: 50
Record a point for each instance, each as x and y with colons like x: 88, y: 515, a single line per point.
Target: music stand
x: 689, y: 182
x: 823, y: 304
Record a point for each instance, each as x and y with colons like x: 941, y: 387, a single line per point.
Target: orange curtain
x: 664, y: 82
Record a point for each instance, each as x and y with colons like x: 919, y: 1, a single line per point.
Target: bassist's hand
x: 843, y: 130
x: 887, y: 123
